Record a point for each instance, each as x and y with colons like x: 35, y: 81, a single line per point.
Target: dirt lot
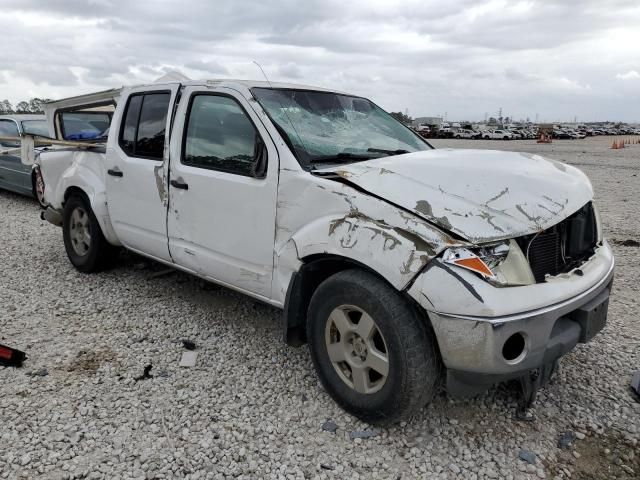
x: 253, y: 407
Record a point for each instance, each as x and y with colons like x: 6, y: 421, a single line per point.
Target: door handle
x: 115, y: 172
x: 179, y: 184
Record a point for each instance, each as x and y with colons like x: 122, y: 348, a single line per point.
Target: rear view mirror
x: 259, y: 169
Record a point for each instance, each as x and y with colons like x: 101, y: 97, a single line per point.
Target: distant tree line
x: 32, y: 106
x: 401, y: 117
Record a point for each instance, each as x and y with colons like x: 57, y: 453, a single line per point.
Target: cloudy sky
x: 554, y: 59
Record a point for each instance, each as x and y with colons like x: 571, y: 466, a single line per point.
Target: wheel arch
x: 314, y: 270
x: 99, y: 210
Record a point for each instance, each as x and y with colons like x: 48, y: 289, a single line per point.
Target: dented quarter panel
x: 481, y: 195
x: 63, y: 169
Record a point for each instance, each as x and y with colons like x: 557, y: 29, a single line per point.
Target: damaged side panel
x: 63, y: 169
x: 352, y: 224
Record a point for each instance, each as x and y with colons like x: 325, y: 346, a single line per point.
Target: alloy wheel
x: 80, y: 231
x: 357, y: 349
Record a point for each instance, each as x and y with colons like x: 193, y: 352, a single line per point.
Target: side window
x: 130, y: 125
x: 220, y: 136
x: 143, y: 130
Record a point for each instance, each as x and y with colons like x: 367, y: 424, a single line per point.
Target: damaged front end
x: 529, y: 275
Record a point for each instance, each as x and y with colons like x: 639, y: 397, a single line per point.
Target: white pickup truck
x: 401, y: 265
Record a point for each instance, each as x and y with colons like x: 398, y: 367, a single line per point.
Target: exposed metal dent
x: 493, y: 199
x: 424, y: 207
x: 489, y: 218
x: 158, y: 174
x: 529, y: 217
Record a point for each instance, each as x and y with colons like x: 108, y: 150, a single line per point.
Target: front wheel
x: 84, y: 242
x: 373, y: 352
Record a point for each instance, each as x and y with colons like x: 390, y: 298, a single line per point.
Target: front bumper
x: 473, y: 346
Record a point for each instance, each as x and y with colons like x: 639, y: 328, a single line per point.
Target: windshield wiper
x: 339, y: 157
x: 388, y: 152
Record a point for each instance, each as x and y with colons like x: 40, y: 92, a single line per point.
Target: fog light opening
x: 513, y: 349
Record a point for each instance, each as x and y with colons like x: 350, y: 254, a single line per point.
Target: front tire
x: 372, y: 351
x: 84, y: 242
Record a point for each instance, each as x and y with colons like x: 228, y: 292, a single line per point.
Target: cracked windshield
x: 326, y: 127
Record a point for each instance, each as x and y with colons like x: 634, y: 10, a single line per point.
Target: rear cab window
x: 84, y: 125
x: 142, y: 133
x: 35, y: 127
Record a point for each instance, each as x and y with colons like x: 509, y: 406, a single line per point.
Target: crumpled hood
x: 481, y: 195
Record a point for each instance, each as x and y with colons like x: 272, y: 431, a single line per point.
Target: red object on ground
x: 10, y: 357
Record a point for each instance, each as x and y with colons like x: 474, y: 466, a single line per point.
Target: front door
x: 222, y: 201
x: 136, y: 182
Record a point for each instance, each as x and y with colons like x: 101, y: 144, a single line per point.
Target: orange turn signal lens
x: 475, y: 264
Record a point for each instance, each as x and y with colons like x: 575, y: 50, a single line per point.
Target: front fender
x: 348, y: 223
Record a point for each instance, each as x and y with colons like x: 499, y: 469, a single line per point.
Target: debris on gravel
x: 11, y: 357
x: 146, y: 374
x: 189, y: 344
x: 528, y: 456
x: 566, y: 440
x: 188, y: 359
x: 252, y: 406
x: 363, y: 434
x: 329, y: 426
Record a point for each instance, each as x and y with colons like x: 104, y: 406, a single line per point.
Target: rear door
x: 224, y: 178
x: 136, y: 180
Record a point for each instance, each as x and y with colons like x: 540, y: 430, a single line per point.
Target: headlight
x: 502, y: 264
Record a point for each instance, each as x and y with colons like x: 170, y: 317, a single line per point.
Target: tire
x: 38, y: 190
x: 91, y: 253
x: 350, y: 301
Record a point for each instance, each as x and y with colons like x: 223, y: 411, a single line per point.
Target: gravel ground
x: 252, y: 407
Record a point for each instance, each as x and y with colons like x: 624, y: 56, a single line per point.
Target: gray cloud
x: 558, y: 59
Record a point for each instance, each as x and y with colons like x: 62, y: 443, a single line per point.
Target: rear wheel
x: 372, y: 351
x: 84, y: 242
x: 37, y: 184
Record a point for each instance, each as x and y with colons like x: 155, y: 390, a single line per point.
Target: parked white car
x: 466, y: 133
x: 498, y: 135
x: 399, y: 264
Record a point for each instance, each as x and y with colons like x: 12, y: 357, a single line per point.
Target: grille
x: 544, y: 255
x: 562, y: 247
